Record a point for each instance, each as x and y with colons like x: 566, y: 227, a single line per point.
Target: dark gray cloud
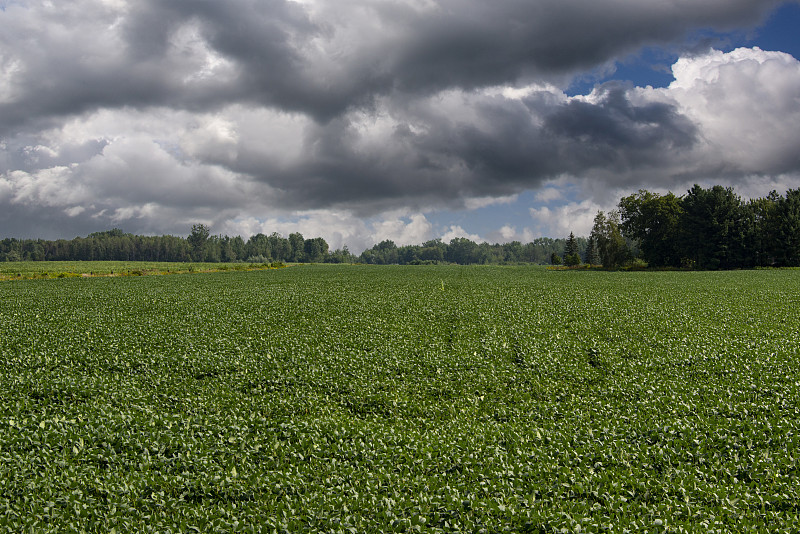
x: 42, y: 222
x: 321, y: 58
x: 510, y: 145
x: 616, y: 135
x: 473, y: 44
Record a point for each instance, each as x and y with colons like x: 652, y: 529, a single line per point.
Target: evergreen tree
x: 764, y: 213
x: 592, y: 257
x: 571, y: 256
x: 788, y: 234
x: 714, y: 228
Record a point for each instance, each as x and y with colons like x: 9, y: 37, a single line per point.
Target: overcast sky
x: 364, y: 120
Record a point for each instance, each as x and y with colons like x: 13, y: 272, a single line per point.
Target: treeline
x: 465, y: 251
x: 116, y: 245
x: 704, y: 229
x: 200, y: 245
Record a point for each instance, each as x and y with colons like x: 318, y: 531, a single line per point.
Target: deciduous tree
x: 654, y: 222
x: 611, y: 245
x: 197, y: 241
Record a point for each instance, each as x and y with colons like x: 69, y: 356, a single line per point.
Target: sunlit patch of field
x: 26, y: 270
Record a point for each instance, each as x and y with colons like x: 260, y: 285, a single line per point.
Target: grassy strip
x: 31, y: 270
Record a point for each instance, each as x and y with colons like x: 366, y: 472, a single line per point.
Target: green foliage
x: 713, y: 228
x: 787, y: 229
x: 384, y: 253
x: 316, y: 250
x: 112, y: 245
x: 199, y: 246
x: 466, y: 252
x: 297, y: 245
x: 12, y: 255
x: 571, y: 255
x: 379, y: 399
x: 257, y: 259
x: 655, y: 221
x: 612, y: 248
x: 572, y: 260
x: 461, y: 250
x: 197, y: 241
x: 592, y: 256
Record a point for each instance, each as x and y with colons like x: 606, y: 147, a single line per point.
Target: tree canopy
x: 713, y: 228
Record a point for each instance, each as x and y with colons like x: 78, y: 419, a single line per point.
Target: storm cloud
x: 151, y: 115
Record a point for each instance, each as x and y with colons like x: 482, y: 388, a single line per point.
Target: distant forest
x: 704, y: 229
x: 201, y: 246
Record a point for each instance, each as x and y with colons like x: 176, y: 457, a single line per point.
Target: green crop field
x: 401, y: 399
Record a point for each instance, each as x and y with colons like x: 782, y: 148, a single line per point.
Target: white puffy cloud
x: 455, y: 231
x: 482, y: 202
x: 509, y: 233
x: 559, y: 221
x: 549, y: 194
x: 340, y: 228
x: 403, y: 231
x: 746, y: 104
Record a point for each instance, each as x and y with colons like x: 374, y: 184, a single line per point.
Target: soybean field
x: 363, y: 399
